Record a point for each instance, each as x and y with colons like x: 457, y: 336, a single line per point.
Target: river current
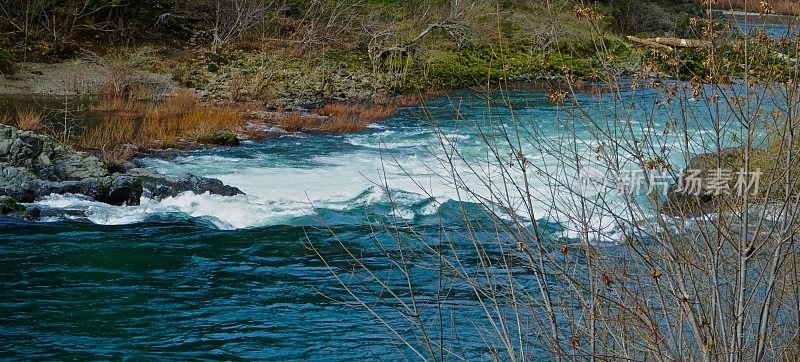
x: 201, y: 276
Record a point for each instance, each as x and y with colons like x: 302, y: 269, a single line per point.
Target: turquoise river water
x: 201, y: 276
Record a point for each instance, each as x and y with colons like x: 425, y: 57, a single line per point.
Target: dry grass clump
x: 111, y: 98
x: 343, y: 125
x: 182, y: 116
x: 368, y: 113
x: 336, y: 118
x: 112, y: 131
x: 29, y: 120
x: 112, y: 139
x: 349, y: 117
x: 295, y: 122
x: 6, y: 119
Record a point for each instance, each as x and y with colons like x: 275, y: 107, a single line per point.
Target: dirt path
x: 78, y: 77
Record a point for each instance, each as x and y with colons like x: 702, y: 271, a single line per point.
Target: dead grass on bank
x: 114, y: 139
x: 343, y: 117
x: 25, y: 119
x: 30, y: 120
x: 165, y: 126
x: 175, y: 121
x: 6, y: 119
x: 296, y: 122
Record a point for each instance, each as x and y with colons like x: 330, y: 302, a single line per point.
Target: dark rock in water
x: 33, y: 213
x: 8, y: 205
x: 11, y: 208
x: 159, y: 186
x: 32, y: 166
x: 119, y: 190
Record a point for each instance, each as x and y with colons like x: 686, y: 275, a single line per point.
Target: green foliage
x: 216, y: 61
x: 347, y: 59
x: 7, y: 65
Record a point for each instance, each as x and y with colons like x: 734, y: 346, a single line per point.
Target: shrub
x: 123, y: 82
x: 8, y: 68
x: 9, y: 205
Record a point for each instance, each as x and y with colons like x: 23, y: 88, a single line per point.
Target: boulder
x: 220, y: 138
x: 8, y: 205
x: 158, y: 186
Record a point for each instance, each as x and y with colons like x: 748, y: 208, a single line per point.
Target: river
x: 201, y: 276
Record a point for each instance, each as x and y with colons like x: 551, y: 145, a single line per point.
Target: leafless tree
x: 231, y: 19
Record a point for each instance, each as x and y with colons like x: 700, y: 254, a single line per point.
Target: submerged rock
x: 32, y: 166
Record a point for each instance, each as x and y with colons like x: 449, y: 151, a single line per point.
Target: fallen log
x: 683, y: 43
x: 670, y: 43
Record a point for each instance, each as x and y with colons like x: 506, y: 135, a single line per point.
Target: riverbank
x: 165, y: 76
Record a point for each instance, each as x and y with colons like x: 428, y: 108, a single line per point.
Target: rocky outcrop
x: 33, y: 166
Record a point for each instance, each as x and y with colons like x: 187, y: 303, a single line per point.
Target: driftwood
x: 648, y: 42
x: 670, y: 43
x: 454, y: 30
x: 683, y: 43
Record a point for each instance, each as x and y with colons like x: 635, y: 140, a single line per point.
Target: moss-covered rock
x: 221, y: 138
x: 8, y: 205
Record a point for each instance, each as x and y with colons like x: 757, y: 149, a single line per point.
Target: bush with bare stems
x: 230, y: 19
